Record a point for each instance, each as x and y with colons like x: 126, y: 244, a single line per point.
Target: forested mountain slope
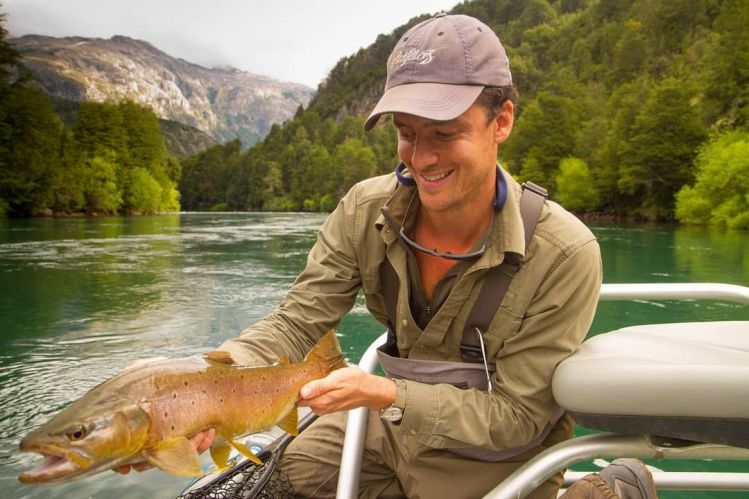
x: 616, y: 99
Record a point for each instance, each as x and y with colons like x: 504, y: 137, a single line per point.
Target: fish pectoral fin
x: 219, y: 357
x: 290, y: 422
x: 220, y: 454
x: 246, y: 452
x: 176, y: 456
x: 283, y: 360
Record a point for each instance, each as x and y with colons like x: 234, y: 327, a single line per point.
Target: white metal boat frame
x: 589, y: 447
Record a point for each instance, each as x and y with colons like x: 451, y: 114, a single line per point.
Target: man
x: 450, y: 94
x: 462, y: 406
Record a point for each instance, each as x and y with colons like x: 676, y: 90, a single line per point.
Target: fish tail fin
x: 327, y: 352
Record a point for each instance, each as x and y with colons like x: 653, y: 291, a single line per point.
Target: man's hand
x: 347, y: 388
x: 201, y: 441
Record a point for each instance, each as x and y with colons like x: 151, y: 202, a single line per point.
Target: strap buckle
x: 535, y: 188
x: 471, y: 353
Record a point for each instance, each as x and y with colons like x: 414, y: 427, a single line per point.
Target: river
x: 81, y: 298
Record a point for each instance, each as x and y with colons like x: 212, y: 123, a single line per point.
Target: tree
x: 209, y: 176
x: 726, y: 61
x: 575, y: 189
x: 99, y: 181
x: 355, y: 161
x: 720, y: 195
x: 30, y: 141
x: 663, y: 143
x: 545, y: 133
x: 143, y: 193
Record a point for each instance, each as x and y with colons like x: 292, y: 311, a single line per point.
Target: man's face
x: 453, y: 162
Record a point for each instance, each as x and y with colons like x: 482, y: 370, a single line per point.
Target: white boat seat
x: 687, y: 381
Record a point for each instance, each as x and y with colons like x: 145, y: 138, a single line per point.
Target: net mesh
x: 246, y: 481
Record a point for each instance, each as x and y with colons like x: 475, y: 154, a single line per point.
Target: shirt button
x: 404, y: 322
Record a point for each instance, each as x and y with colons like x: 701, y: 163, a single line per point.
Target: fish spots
x: 166, y: 414
x: 185, y: 382
x: 174, y: 395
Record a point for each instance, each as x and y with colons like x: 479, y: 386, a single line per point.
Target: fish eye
x: 77, y: 433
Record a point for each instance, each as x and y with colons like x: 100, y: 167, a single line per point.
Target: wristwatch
x: 394, y: 412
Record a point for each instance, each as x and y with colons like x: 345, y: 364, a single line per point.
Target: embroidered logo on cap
x: 415, y: 55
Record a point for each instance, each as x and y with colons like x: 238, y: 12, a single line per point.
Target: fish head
x: 81, y: 441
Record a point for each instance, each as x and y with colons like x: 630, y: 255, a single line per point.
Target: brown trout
x: 147, y: 413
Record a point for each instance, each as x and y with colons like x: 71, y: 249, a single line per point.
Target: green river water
x: 81, y: 298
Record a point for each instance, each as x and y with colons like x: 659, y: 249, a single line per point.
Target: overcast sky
x: 290, y: 40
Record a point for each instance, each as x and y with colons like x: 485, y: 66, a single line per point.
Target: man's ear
x: 504, y: 121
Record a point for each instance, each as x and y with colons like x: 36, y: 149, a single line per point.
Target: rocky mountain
x: 224, y: 103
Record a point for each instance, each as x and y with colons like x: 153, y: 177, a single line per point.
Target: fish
x: 147, y: 413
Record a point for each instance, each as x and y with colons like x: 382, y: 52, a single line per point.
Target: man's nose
x: 423, y: 154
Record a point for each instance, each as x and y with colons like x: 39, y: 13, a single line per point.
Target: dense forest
x: 627, y: 108
x: 111, y: 160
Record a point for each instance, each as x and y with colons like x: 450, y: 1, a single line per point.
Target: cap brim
x: 435, y: 101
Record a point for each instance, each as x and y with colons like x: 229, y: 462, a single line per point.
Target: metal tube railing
x: 356, y: 427
x: 684, y: 480
x: 675, y: 291
x: 585, y: 448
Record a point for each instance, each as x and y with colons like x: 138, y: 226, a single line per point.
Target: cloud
x: 291, y: 40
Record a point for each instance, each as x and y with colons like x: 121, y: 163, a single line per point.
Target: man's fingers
x: 203, y: 440
x: 142, y: 466
x: 310, y: 390
x: 122, y: 470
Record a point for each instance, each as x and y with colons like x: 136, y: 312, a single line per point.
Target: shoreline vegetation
x: 629, y: 111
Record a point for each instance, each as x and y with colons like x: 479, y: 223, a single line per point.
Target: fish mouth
x: 58, y: 465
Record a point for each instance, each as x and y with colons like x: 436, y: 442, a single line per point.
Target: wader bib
x: 474, y: 371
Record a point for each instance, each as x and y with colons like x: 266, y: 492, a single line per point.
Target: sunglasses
x: 471, y: 255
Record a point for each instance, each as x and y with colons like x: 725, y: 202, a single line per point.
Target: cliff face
x: 224, y: 103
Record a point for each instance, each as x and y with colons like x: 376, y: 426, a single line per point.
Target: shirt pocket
x: 505, y: 324
x: 373, y: 298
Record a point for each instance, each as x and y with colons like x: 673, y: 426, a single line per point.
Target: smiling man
x: 484, y: 287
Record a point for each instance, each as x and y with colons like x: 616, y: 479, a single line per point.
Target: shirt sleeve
x: 321, y: 295
x: 522, y: 403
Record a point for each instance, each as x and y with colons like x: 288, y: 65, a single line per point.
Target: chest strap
x: 495, y: 285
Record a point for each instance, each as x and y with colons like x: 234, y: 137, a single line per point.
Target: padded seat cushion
x: 683, y: 375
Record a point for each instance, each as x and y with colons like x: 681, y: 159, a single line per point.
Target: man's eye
x: 407, y: 136
x: 444, y: 135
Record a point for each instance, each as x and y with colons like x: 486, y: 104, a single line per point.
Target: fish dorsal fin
x: 176, y: 456
x: 289, y: 423
x: 246, y: 452
x: 219, y: 357
x: 327, y: 353
x: 283, y: 361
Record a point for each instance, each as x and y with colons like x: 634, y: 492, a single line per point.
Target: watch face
x: 392, y: 414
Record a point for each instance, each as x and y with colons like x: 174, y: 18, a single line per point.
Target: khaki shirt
x: 543, y: 318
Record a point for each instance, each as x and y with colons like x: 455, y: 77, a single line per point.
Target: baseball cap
x: 440, y: 66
